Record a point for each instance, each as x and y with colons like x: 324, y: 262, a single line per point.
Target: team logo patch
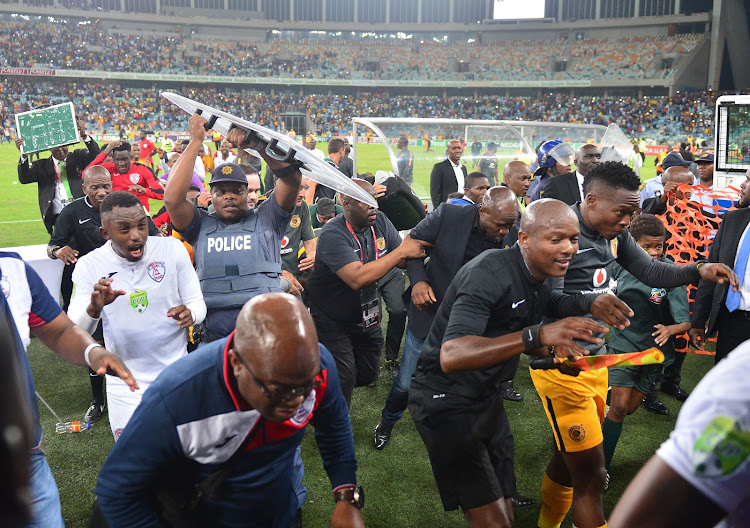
x: 139, y: 301
x: 577, y: 433
x: 657, y: 295
x: 305, y: 410
x: 5, y: 285
x: 600, y: 277
x: 134, y: 178
x: 156, y: 270
x: 295, y: 222
x: 381, y: 244
x: 284, y: 242
x: 722, y: 449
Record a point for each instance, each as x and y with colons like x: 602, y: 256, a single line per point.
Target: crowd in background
x: 88, y: 46
x: 111, y: 108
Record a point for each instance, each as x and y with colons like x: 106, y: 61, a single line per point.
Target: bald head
x: 96, y: 171
x: 499, y: 198
x: 276, y: 335
x: 586, y: 157
x: 545, y: 214
x: 517, y: 177
x: 677, y: 174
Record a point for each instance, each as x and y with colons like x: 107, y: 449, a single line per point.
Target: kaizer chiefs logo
x: 295, y: 222
x: 577, y: 433
x: 381, y: 244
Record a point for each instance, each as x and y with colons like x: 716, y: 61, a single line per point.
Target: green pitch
x: 400, y: 489
x: 20, y: 221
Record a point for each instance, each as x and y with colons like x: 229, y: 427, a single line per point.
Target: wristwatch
x: 52, y: 251
x: 353, y: 494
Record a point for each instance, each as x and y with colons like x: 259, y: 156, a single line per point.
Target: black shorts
x: 470, y: 445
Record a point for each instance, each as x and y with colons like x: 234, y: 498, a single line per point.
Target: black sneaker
x: 395, y: 368
x: 653, y: 404
x: 513, y: 395
x: 675, y: 391
x: 382, y: 435
x: 94, y: 412
x: 520, y: 502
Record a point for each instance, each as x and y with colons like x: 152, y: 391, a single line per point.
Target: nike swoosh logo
x: 84, y: 221
x: 225, y: 441
x: 515, y: 304
x: 583, y: 250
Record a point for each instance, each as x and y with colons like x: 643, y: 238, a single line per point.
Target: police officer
x: 237, y: 249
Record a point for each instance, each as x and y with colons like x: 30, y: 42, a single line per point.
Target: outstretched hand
x: 105, y: 362
x: 719, y: 273
x: 611, y: 310
x: 566, y: 332
x: 103, y: 295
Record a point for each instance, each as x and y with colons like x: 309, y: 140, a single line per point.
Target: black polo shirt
x: 78, y: 227
x: 337, y: 247
x: 493, y: 295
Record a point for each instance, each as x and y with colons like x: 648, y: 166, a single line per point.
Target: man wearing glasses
x: 233, y: 413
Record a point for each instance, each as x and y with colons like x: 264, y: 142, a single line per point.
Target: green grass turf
x: 399, y: 485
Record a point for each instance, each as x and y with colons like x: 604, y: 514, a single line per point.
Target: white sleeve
x: 189, y: 285
x: 81, y: 297
x: 710, y: 446
x: 199, y: 169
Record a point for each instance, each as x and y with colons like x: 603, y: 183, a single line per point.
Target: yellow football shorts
x: 574, y: 406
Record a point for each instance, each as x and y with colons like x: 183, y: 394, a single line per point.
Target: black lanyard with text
x: 368, y: 297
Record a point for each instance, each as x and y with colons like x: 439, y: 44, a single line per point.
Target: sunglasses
x: 284, y: 393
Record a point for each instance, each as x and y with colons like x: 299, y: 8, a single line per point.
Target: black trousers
x: 355, y: 349
x: 392, y: 288
x: 733, y: 328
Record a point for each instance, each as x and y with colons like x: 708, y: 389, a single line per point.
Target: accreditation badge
x: 139, y: 301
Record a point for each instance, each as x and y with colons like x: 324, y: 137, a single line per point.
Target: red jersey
x: 136, y: 175
x: 147, y: 148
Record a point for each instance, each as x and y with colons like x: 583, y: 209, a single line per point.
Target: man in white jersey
x: 701, y: 475
x: 137, y: 285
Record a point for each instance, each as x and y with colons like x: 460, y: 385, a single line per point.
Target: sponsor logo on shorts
x: 118, y: 434
x: 295, y: 222
x: 577, y: 433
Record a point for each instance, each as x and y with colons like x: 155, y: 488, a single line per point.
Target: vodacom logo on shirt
x: 600, y: 277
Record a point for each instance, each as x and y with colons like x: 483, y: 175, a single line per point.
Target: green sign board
x: 47, y: 128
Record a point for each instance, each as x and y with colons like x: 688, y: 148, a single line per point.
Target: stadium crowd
x: 90, y: 47
x: 113, y: 108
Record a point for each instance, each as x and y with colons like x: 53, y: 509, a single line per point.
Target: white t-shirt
x: 710, y: 445
x: 219, y: 159
x: 136, y: 326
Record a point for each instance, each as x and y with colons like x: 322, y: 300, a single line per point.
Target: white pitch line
x: 18, y: 221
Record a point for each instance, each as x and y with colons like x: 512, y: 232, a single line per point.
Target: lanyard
x: 361, y: 250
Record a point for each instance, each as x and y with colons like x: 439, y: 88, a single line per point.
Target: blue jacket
x: 191, y: 421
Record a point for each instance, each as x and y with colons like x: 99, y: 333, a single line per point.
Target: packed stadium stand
x: 592, y: 61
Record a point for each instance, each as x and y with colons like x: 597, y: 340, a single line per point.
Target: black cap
x: 674, y: 160
x: 229, y: 172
